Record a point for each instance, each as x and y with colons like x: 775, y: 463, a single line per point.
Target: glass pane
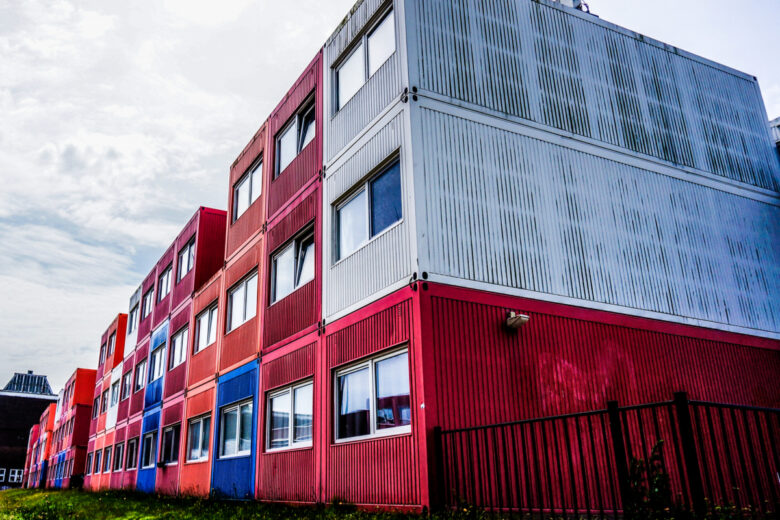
x: 194, y: 442
x: 354, y: 395
x: 353, y: 224
x: 167, y: 445
x: 306, y: 262
x: 241, y: 201
x: 245, y: 440
x: 381, y: 43
x: 257, y: 181
x: 190, y: 256
x: 236, y: 306
x: 229, y: 431
x: 302, y: 425
x: 392, y: 392
x: 203, y: 331
x: 280, y: 421
x: 284, y: 270
x: 212, y: 335
x: 251, y: 297
x: 287, y: 148
x: 181, y: 266
x: 351, y: 76
x: 307, y: 129
x: 386, y: 199
x: 205, y: 436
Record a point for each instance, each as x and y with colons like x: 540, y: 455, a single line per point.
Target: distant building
x: 21, y: 402
x: 775, y: 127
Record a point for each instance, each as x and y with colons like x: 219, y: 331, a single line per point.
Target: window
x: 148, y: 449
x: 95, y: 407
x: 294, y: 402
x: 178, y: 348
x: 102, y: 354
x: 104, y: 402
x: 198, y: 438
x: 206, y: 324
x: 293, y: 266
x: 132, y: 453
x: 355, y: 70
x: 89, y: 464
x: 236, y: 434
x: 96, y: 467
x: 115, y: 393
x: 296, y: 135
x: 146, y: 308
x: 2, y: 474
x: 132, y: 320
x: 118, y: 459
x: 372, y: 209
x: 140, y: 375
x: 15, y: 476
x: 242, y: 301
x: 247, y: 189
x: 107, y: 460
x: 170, y: 444
x: 164, y: 284
x: 186, y: 260
x: 372, y: 397
x: 111, y: 343
x: 156, y: 363
x: 126, y: 382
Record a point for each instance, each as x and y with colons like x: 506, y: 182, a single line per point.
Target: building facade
x: 460, y: 214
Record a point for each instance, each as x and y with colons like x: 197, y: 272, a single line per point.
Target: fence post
x: 440, y: 501
x: 619, y: 448
x: 689, y: 453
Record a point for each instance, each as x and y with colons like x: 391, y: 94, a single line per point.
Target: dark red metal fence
x: 581, y: 465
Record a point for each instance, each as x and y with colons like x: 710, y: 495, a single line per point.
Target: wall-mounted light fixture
x: 515, y: 320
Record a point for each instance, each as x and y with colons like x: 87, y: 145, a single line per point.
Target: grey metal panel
x: 384, y: 260
x: 513, y: 211
x: 377, y: 93
x: 559, y: 67
x: 135, y: 299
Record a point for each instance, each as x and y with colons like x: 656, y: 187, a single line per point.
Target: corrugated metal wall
x: 517, y: 212
x: 571, y: 71
x: 557, y: 364
x: 385, y: 260
x: 379, y: 91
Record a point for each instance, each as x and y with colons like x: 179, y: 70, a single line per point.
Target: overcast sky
x: 118, y: 119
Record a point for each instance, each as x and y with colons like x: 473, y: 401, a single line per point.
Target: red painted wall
x: 137, y: 398
x: 203, y: 364
x: 123, y: 410
x: 116, y: 479
x: 133, y: 431
x: 289, y: 475
x: 299, y: 312
x: 167, y: 481
x: 252, y: 221
x: 308, y: 164
x: 209, y: 246
x: 175, y: 379
x: 162, y: 308
x: 145, y: 324
x: 195, y: 478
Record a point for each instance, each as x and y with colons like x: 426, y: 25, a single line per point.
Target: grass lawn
x: 31, y: 504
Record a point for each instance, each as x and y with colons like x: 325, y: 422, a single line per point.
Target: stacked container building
x: 32, y: 440
x: 458, y: 216
x: 41, y: 448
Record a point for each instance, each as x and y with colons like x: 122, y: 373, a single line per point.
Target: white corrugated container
x: 548, y: 153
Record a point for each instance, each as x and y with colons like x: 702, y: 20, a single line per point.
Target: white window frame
x: 178, y: 355
x: 164, y: 283
x: 147, y: 303
x: 111, y: 343
x: 235, y: 406
x: 119, y: 449
x: 131, y: 463
x: 15, y: 475
x: 370, y: 363
x: 189, y: 250
x: 209, y: 313
x: 116, y: 388
x: 253, y: 174
x: 140, y: 378
x: 297, y: 244
x: 245, y: 282
x: 290, y: 390
x: 198, y: 422
x: 102, y: 354
x: 107, y: 451
x: 96, y: 407
x: 132, y: 319
x: 166, y: 429
x: 104, y: 397
x: 362, y: 41
x: 126, y: 386
x: 157, y: 362
x: 295, y: 125
x: 152, y: 455
x: 2, y: 474
x: 88, y: 469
